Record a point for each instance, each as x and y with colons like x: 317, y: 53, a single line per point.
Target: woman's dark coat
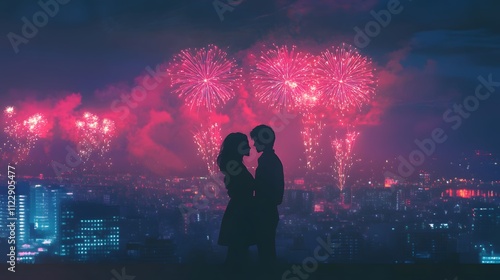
x: 237, y: 227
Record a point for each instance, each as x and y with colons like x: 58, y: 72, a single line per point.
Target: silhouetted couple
x: 251, y: 219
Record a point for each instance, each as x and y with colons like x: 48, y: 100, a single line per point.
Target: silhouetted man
x: 269, y: 188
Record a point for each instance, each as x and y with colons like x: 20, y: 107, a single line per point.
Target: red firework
x: 312, y: 125
x: 342, y: 148
x: 208, y: 140
x: 22, y: 135
x: 36, y: 125
x: 345, y: 77
x: 204, y: 78
x: 94, y: 137
x: 281, y: 76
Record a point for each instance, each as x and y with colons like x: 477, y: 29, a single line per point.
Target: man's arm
x: 270, y: 177
x: 279, y: 182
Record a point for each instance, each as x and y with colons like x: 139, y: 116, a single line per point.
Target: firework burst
x: 208, y: 140
x: 345, y: 77
x: 94, y: 137
x: 36, y: 125
x: 281, y: 76
x: 204, y: 78
x: 22, y: 135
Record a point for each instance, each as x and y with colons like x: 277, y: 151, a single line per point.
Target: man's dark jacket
x: 269, y: 185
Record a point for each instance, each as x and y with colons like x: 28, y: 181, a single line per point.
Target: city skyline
x: 80, y: 221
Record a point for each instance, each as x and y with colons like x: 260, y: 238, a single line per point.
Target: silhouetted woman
x: 237, y: 227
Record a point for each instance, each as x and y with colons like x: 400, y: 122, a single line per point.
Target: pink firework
x: 15, y: 147
x: 281, y: 76
x: 36, y: 125
x: 208, y: 139
x: 312, y: 125
x: 204, y: 78
x: 94, y: 137
x: 310, y: 99
x: 342, y: 148
x: 22, y: 136
x: 9, y: 111
x: 346, y: 78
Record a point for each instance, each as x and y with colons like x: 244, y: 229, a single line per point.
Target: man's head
x: 263, y: 137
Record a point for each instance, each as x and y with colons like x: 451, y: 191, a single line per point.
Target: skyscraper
x: 300, y: 201
x: 23, y: 213
x: 348, y: 245
x: 45, y: 205
x: 89, y: 231
x: 4, y: 230
x: 486, y: 223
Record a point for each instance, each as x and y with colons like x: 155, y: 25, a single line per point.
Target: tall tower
x: 4, y: 230
x: 23, y: 213
x: 89, y: 231
x: 45, y: 207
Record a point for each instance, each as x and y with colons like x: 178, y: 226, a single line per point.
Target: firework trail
x: 342, y: 148
x: 281, y: 76
x: 22, y: 136
x: 204, y: 78
x: 312, y: 125
x: 347, y: 81
x: 346, y: 78
x: 94, y: 137
x: 208, y: 140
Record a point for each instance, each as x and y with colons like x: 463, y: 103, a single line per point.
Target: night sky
x: 427, y: 58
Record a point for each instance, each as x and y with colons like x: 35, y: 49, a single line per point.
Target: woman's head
x: 234, y: 147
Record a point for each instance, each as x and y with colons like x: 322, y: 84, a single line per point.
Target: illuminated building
x: 45, y: 212
x: 28, y: 253
x: 23, y: 213
x: 485, y: 222
x: 299, y: 201
x: 389, y: 182
x: 377, y: 199
x: 89, y: 231
x: 347, y: 245
x: 299, y: 181
x: 424, y: 179
x: 431, y: 244
x: 492, y: 259
x: 400, y: 200
x: 4, y: 231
